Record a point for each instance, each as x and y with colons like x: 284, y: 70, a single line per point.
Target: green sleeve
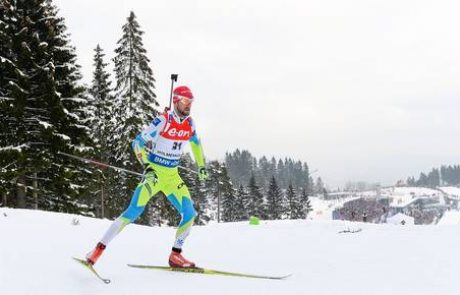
x: 197, y: 151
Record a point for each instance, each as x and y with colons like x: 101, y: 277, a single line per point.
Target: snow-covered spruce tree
x: 281, y: 172
x: 241, y: 204
x: 295, y: 208
x: 135, y: 102
x: 275, y: 204
x: 306, y: 178
x: 49, y: 108
x: 291, y: 201
x: 102, y: 101
x: 14, y: 93
x: 306, y: 204
x: 214, y: 187
x: 240, y: 165
x: 256, y: 206
x: 9, y: 75
x: 70, y: 115
x: 264, y: 171
x: 229, y: 211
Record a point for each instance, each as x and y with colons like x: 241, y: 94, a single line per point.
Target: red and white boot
x: 94, y: 255
x: 177, y: 260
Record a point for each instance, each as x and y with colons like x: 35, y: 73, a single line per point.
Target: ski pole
x: 100, y: 163
x: 114, y: 167
x: 173, y: 79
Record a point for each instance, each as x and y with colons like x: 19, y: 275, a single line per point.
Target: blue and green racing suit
x: 159, y: 147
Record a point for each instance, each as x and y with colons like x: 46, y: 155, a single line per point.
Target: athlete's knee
x: 188, y: 211
x: 190, y: 214
x: 137, y: 205
x: 132, y: 212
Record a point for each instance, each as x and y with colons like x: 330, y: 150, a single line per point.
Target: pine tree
x: 256, y: 199
x: 307, y: 183
x: 69, y: 112
x: 292, y: 202
x: 433, y: 178
x: 274, y: 200
x: 228, y: 196
x: 102, y: 99
x: 281, y: 173
x: 9, y: 75
x: 423, y: 180
x: 48, y: 108
x: 135, y: 101
x: 264, y: 172
x: 241, y: 204
x: 306, y: 204
x: 240, y: 165
x: 215, y: 187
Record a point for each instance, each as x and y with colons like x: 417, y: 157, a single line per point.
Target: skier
x: 159, y: 148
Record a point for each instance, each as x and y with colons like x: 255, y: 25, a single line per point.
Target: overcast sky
x: 359, y: 89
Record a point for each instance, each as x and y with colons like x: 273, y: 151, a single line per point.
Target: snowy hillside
x: 36, y: 249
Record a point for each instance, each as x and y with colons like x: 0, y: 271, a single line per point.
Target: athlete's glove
x: 148, y: 146
x: 150, y: 175
x: 202, y: 174
x: 142, y: 152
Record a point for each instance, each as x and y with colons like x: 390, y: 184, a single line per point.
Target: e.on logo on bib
x: 181, y: 133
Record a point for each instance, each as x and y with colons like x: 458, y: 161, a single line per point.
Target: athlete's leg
x: 180, y: 199
x: 144, y: 191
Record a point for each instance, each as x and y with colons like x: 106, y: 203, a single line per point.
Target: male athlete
x: 159, y: 148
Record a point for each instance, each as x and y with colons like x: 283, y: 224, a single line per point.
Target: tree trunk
x: 35, y: 192
x: 4, y: 199
x: 21, y: 192
x: 218, y: 206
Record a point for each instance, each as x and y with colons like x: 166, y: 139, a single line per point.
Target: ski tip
x: 91, y: 268
x: 79, y: 260
x: 274, y: 277
x: 106, y: 281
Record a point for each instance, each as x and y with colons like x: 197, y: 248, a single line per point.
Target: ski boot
x: 177, y: 260
x: 94, y: 255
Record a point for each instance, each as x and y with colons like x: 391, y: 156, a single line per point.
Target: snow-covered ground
x: 450, y: 217
x: 36, y: 249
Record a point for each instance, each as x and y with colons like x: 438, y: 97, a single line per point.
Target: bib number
x: 177, y: 145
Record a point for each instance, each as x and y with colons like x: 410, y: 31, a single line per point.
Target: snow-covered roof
x: 452, y: 191
x: 404, y: 196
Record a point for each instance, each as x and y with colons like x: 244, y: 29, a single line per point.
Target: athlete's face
x: 183, y: 106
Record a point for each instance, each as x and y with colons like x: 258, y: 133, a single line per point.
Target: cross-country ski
x: 207, y: 271
x: 91, y: 268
